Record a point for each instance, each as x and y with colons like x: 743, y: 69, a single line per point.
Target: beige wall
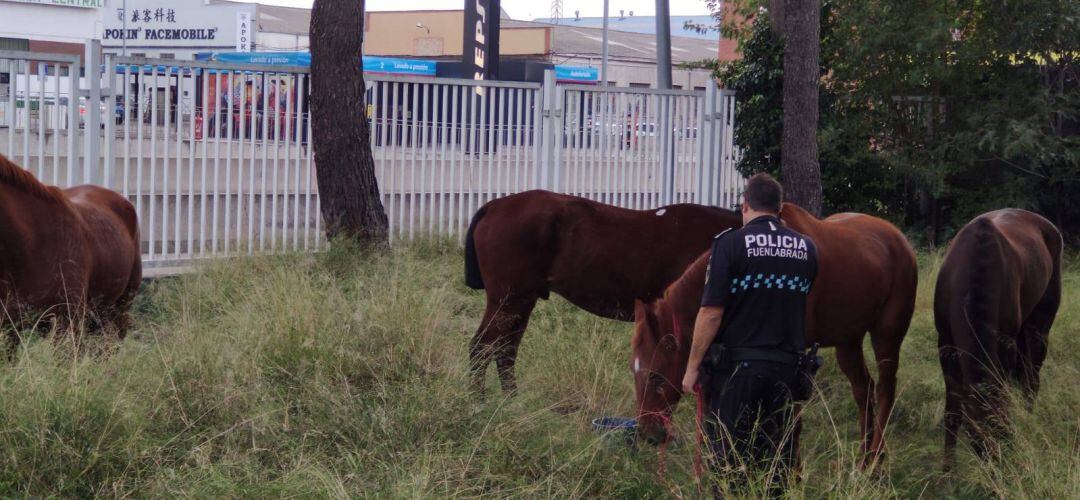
x: 396, y: 34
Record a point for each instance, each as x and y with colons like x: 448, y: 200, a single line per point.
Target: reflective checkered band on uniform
x: 782, y: 282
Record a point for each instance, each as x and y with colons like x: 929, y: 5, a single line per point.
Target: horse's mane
x: 684, y: 294
x: 791, y: 211
x: 21, y: 179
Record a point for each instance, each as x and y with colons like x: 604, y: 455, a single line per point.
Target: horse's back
x: 1003, y: 261
x: 866, y: 267
x: 600, y: 257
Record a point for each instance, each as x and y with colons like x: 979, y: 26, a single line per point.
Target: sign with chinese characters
x: 82, y: 4
x: 243, y: 32
x: 180, y: 24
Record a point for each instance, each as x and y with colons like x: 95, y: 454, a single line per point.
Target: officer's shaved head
x: 763, y: 193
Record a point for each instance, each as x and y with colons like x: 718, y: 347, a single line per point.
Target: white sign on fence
x: 243, y: 32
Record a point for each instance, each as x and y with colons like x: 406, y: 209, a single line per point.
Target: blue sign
x: 385, y: 65
x: 268, y: 58
x: 576, y: 74
x: 399, y: 66
x: 159, y: 69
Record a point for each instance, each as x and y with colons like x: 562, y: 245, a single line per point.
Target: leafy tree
x: 931, y: 112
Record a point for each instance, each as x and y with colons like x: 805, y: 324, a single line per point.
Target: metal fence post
x: 726, y: 175
x: 667, y: 149
x: 109, y: 116
x: 549, y: 127
x: 92, y: 131
x: 709, y: 138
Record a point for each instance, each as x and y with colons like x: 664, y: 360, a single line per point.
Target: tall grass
x: 344, y: 374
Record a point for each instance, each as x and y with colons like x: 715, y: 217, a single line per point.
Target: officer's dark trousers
x: 749, y: 422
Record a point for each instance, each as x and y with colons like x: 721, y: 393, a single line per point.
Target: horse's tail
x: 472, y: 265
x: 984, y: 284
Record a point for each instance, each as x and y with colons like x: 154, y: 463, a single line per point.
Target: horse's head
x: 658, y: 364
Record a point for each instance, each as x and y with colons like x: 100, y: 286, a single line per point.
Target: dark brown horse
x: 997, y: 293
x: 601, y: 258
x: 867, y: 276
x: 67, y: 252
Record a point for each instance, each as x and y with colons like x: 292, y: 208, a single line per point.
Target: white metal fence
x: 216, y: 157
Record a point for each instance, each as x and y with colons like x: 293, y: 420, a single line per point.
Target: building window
x: 14, y: 44
x: 167, y: 55
x: 138, y: 54
x: 699, y: 88
x: 640, y: 85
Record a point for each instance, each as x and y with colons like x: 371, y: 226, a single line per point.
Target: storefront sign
x: 480, y: 52
x: 243, y: 32
x: 389, y: 65
x: 188, y: 23
x: 576, y: 74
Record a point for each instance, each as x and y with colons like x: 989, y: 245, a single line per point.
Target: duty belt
x: 758, y: 354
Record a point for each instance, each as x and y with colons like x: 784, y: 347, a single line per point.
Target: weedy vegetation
x: 343, y: 374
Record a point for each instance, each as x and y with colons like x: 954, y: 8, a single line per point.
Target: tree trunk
x: 799, y: 150
x: 344, y: 165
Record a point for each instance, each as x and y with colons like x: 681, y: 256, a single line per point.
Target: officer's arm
x: 711, y: 312
x: 705, y: 328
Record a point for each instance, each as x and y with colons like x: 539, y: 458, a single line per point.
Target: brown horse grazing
x: 867, y: 276
x: 65, y: 252
x: 997, y: 293
x: 601, y: 258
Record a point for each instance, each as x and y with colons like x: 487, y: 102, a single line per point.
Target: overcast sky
x: 531, y: 9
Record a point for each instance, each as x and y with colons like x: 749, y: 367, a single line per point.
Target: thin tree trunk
x: 344, y: 165
x: 799, y: 150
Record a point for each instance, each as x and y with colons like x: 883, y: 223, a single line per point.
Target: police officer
x: 750, y: 334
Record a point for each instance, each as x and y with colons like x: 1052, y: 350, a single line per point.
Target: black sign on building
x: 480, y: 45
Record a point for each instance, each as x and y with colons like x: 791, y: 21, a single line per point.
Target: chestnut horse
x: 67, y: 252
x: 867, y: 276
x: 522, y: 247
x: 998, y: 291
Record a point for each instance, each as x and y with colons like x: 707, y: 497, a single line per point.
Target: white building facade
x: 39, y: 24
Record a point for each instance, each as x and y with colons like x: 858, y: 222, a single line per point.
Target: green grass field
x: 344, y: 375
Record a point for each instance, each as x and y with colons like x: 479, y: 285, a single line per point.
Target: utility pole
x: 663, y: 45
x: 604, y: 49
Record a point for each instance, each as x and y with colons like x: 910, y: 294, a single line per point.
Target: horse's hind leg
x: 954, y: 395
x: 886, y: 338
x: 853, y: 364
x: 1034, y: 335
x: 498, y: 338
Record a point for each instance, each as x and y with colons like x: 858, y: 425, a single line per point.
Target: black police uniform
x: 761, y: 275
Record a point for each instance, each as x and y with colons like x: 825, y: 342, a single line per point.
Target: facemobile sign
x: 178, y: 23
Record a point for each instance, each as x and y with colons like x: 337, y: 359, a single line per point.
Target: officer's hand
x: 689, y: 380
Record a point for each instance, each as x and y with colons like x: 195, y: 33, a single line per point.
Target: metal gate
x: 217, y: 157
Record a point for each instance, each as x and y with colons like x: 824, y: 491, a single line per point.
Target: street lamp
x: 421, y: 25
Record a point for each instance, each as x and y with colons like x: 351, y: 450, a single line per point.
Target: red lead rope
x: 699, y: 441
x: 699, y: 469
